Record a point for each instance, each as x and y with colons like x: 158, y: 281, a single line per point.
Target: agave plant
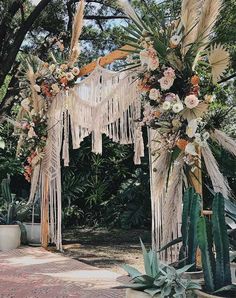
x: 160, y: 278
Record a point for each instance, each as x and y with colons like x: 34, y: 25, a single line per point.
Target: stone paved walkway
x: 36, y: 273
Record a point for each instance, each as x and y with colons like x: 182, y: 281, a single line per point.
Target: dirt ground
x: 108, y: 249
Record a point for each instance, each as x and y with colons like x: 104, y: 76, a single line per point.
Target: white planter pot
x: 138, y: 294
x: 9, y: 237
x: 33, y: 231
x: 233, y: 272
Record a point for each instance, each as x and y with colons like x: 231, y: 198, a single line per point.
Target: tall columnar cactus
x: 190, y: 216
x: 214, y: 244
x: 221, y: 242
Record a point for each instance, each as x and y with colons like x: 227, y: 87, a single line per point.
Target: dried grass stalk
x: 190, y: 13
x: 219, y: 182
x: 225, y: 141
x: 31, y: 76
x: 76, y: 32
x: 129, y: 11
x: 207, y: 20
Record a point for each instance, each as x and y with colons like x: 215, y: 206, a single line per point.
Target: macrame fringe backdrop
x: 166, y: 200
x: 105, y: 102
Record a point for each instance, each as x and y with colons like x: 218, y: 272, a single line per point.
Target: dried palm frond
x: 219, y: 182
x: 190, y: 13
x: 76, y: 32
x: 197, y: 112
x: 129, y: 11
x: 207, y: 20
x: 225, y: 141
x: 219, y: 60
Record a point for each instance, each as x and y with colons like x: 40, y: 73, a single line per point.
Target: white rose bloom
x: 69, y: 76
x: 166, y: 83
x: 192, y: 128
x: 206, y: 135
x: 154, y: 94
x: 37, y: 88
x: 191, y: 101
x: 166, y: 105
x: 177, y: 107
x: 190, y: 149
x: 198, y: 140
x: 175, y: 40
x: 76, y: 71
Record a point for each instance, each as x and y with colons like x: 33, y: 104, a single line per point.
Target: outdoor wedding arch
x: 166, y: 87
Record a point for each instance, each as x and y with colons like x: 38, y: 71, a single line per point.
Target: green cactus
x: 205, y: 244
x: 190, y: 215
x: 214, y: 245
x: 221, y: 241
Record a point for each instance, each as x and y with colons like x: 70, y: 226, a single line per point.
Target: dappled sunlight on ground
x: 36, y: 273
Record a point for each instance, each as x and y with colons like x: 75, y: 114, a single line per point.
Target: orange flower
x: 195, y: 80
x: 64, y: 80
x: 157, y: 114
x: 143, y: 87
x: 181, y: 144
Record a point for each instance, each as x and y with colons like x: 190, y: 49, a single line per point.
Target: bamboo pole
x: 108, y: 59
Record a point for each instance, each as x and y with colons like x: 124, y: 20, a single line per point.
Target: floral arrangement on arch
x: 178, y: 69
x: 39, y: 83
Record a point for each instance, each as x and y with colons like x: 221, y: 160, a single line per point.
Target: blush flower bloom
x: 166, y: 83
x: 191, y: 101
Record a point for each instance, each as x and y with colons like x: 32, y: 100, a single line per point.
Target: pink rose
x: 169, y: 72
x: 166, y: 83
x: 191, y: 101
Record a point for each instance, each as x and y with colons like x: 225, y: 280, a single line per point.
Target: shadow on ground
x: 108, y: 249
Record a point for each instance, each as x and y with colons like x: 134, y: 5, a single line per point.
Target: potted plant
x: 214, y: 245
x: 159, y: 280
x: 33, y: 226
x: 10, y: 228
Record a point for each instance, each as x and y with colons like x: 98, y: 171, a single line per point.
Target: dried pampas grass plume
x: 190, y: 13
x: 219, y: 182
x: 225, y: 141
x: 76, y: 32
x: 129, y: 11
x: 219, y: 60
x: 207, y: 20
x: 31, y: 76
